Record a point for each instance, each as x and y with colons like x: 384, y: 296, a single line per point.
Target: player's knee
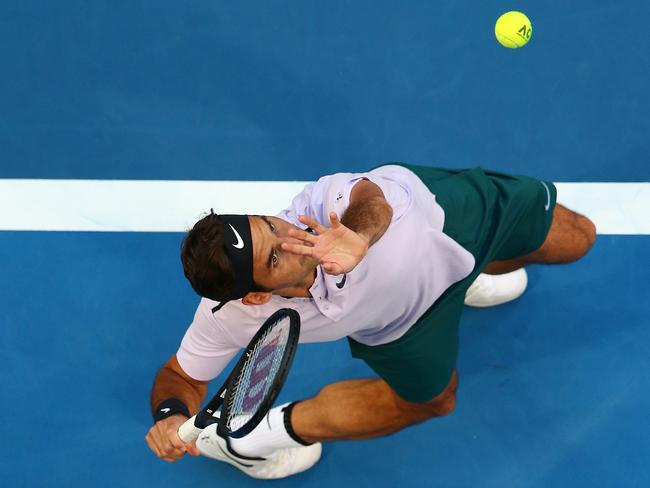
x: 586, y: 238
x: 445, y: 403
x: 442, y: 404
x: 590, y: 233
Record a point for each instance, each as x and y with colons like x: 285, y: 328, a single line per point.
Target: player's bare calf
x: 362, y: 409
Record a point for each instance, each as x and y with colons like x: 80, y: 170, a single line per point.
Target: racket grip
x: 188, y: 431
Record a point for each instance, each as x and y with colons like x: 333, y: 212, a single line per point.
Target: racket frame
x: 278, y: 381
x: 208, y: 415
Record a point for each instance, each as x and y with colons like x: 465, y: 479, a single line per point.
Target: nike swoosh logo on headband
x: 240, y: 241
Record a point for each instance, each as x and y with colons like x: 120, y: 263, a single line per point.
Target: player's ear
x: 257, y: 298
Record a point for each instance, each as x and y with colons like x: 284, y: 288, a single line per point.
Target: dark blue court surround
x: 291, y: 90
x: 554, y: 387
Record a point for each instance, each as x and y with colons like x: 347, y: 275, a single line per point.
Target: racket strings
x: 257, y: 375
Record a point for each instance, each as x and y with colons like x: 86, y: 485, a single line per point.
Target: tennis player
x: 386, y: 259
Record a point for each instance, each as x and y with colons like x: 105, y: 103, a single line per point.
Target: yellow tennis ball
x: 513, y: 29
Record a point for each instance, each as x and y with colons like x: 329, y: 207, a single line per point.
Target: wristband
x: 170, y: 407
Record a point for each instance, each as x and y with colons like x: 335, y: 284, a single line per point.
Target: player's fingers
x: 192, y: 450
x: 314, y: 224
x: 176, y: 442
x: 293, y: 240
x: 172, y: 454
x: 153, y: 445
x: 334, y: 220
x: 167, y: 446
x: 172, y: 451
x: 303, y: 236
x: 157, y: 445
x: 297, y: 249
x: 296, y: 242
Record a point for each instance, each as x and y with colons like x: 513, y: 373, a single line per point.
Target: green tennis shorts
x: 494, y: 216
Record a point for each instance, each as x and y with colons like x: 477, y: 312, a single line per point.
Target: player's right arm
x: 172, y: 382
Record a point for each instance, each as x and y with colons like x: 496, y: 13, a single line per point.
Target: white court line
x: 173, y: 206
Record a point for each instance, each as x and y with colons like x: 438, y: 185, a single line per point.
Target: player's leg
x: 417, y: 381
x: 362, y: 409
x: 346, y: 410
x: 570, y: 237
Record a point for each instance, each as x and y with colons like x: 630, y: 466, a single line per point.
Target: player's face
x: 274, y: 268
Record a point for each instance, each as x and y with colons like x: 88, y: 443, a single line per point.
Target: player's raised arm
x: 340, y: 247
x: 175, y: 396
x: 369, y: 214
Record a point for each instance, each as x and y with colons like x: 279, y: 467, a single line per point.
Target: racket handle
x: 188, y: 431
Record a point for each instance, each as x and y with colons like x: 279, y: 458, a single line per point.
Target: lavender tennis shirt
x: 401, y: 276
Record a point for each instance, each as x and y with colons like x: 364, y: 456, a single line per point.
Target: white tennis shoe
x: 279, y: 464
x: 490, y: 290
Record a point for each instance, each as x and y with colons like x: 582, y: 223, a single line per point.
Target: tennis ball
x: 513, y: 29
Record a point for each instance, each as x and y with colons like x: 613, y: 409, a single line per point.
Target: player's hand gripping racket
x: 254, y: 384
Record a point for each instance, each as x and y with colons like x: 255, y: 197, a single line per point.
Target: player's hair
x: 205, y: 262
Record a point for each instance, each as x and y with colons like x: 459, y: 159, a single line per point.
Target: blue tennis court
x: 554, y: 387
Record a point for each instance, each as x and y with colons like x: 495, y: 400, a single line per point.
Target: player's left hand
x: 337, y: 248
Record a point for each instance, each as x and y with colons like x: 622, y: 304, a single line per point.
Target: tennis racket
x: 255, y: 382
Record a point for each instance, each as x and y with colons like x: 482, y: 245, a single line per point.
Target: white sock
x: 271, y: 434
